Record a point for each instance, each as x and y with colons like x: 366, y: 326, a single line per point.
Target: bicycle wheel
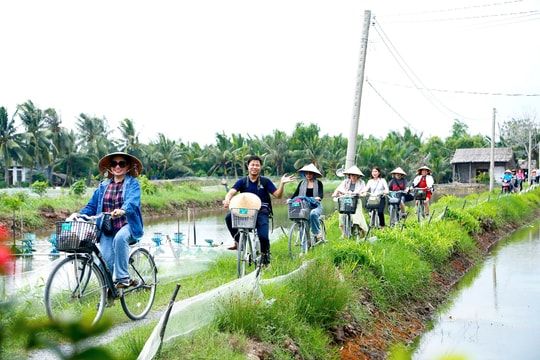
x: 297, y: 239
x: 322, y: 226
x: 138, y: 299
x: 243, y: 253
x: 393, y: 215
x: 347, y: 228
x: 374, y: 219
x: 75, y: 290
x: 420, y: 210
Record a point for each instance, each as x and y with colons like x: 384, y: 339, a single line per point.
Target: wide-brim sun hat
x: 135, y: 165
x: 508, y: 171
x: 311, y: 168
x: 353, y: 170
x: 423, y: 168
x: 398, y: 170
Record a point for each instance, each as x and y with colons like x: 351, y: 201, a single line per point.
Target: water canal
x: 495, y: 311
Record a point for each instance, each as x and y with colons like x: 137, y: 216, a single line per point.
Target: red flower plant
x: 6, y: 257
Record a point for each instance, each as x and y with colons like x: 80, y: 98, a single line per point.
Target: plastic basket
x: 299, y: 209
x: 243, y: 218
x: 394, y: 197
x: 75, y: 236
x: 420, y: 194
x: 347, y: 204
x: 373, y: 202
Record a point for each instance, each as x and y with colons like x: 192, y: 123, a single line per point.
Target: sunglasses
x: 120, y: 163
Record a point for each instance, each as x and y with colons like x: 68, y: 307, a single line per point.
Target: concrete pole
x: 529, y: 158
x: 492, y: 154
x: 350, y: 159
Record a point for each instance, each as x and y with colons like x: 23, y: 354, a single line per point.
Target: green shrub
x: 78, y: 188
x: 39, y: 187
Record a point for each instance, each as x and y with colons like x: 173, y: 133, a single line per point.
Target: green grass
x: 294, y: 318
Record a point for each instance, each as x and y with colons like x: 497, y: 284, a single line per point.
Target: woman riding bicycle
x: 353, y: 185
x: 119, y: 195
x: 377, y: 185
x: 312, y: 189
x: 424, y: 180
x: 399, y: 183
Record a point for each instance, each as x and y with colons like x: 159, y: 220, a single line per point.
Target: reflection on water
x: 495, y: 313
x: 204, y: 237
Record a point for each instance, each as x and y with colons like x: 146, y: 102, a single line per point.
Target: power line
x: 390, y: 106
x: 407, y: 71
x: 460, y: 91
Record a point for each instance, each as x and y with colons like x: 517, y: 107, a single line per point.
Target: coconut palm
x: 37, y: 135
x: 12, y: 147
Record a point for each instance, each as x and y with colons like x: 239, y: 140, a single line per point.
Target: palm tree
x: 129, y: 137
x: 71, y: 160
x: 93, y: 138
x: 277, y: 150
x: 220, y: 155
x: 12, y: 147
x: 166, y: 153
x: 36, y: 136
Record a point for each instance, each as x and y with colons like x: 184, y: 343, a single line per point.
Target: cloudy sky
x: 191, y: 69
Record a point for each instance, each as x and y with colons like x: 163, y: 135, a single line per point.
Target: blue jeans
x: 115, y: 250
x: 314, y: 216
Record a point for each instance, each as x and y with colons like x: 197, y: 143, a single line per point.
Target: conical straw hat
x: 311, y: 168
x: 353, y: 170
x: 245, y: 200
x: 398, y: 170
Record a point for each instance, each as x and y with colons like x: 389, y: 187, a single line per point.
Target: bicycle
x: 80, y: 286
x: 372, y: 205
x: 248, y: 250
x: 420, y: 195
x: 394, y: 209
x: 347, y: 205
x: 300, y: 239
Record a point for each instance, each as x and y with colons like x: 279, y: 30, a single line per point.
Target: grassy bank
x: 356, y: 300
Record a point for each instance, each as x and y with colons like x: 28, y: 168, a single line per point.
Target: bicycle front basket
x: 347, y: 204
x: 75, y: 236
x: 299, y: 209
x: 243, y: 218
x: 420, y: 194
x: 394, y: 197
x: 373, y: 202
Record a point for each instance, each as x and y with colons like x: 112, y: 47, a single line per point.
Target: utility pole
x: 350, y: 159
x: 529, y: 158
x: 492, y: 154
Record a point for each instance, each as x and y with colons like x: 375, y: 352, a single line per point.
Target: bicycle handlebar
x: 84, y: 217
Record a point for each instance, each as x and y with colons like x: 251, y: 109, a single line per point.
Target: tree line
x: 36, y: 139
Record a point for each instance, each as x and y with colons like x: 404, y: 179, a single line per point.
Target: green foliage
x: 147, y: 188
x: 39, y: 187
x: 401, y: 271
x: 320, y: 294
x: 79, y: 188
x: 15, y: 201
x: 464, y: 219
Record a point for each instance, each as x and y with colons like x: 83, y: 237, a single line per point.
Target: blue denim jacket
x: 132, y: 204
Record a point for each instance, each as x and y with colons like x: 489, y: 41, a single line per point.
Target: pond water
x: 495, y: 311
x: 203, y: 234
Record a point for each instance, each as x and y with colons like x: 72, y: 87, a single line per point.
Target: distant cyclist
x: 399, y: 183
x: 424, y: 180
x: 353, y: 185
x: 311, y: 188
